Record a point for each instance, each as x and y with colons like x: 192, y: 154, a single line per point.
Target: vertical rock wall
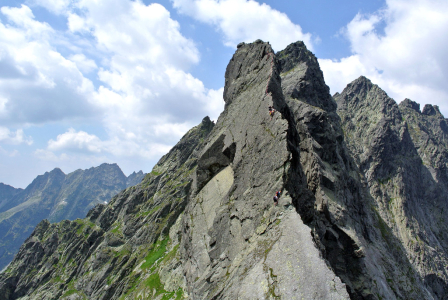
x: 402, y: 154
x: 238, y: 245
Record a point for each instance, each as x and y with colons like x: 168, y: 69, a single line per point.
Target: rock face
x: 402, y: 153
x: 56, y: 196
x: 203, y: 224
x: 237, y: 244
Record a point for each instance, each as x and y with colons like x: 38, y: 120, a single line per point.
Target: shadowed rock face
x: 203, y: 224
x: 402, y: 153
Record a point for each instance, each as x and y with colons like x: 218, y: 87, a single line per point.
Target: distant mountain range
x: 55, y: 196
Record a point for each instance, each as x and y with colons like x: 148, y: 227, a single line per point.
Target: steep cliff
x: 203, y: 224
x: 56, y: 196
x: 402, y: 154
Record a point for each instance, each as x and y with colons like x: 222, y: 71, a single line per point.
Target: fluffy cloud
x: 37, y: 84
x: 55, y: 6
x: 15, y: 138
x: 76, y: 141
x: 143, y: 96
x: 47, y: 155
x: 83, y: 63
x: 146, y: 83
x: 245, y: 20
x: 401, y: 48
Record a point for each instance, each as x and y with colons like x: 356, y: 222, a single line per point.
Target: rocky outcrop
x: 429, y: 134
x: 56, y: 196
x: 203, y: 224
x: 339, y: 208
x: 401, y: 152
x: 236, y: 243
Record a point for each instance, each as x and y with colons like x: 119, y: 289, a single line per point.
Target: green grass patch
x: 116, y: 228
x: 83, y: 224
x: 171, y: 254
x: 123, y: 252
x: 153, y: 283
x: 69, y: 292
x: 382, y: 226
x: 156, y: 252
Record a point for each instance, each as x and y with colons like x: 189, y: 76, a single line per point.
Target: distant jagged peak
x: 360, y: 88
x: 361, y: 96
x: 136, y: 173
x: 428, y: 110
x: 360, y: 85
x: 55, y: 171
x: 107, y: 166
x: 432, y: 110
x: 410, y: 104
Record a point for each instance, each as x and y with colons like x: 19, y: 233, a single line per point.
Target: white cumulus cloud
x: 37, y: 83
x: 245, y: 21
x: 402, y: 48
x: 73, y: 140
x: 143, y: 96
x: 83, y: 63
x: 15, y: 138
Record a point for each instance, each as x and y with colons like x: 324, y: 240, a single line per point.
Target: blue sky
x: 85, y: 82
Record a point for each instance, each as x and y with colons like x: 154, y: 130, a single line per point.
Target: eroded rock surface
x: 237, y: 244
x: 402, y: 154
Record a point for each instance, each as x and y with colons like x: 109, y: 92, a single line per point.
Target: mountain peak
x: 293, y: 54
x: 245, y: 61
x: 410, y: 104
x: 56, y: 171
x: 360, y: 84
x: 302, y: 78
x: 431, y: 110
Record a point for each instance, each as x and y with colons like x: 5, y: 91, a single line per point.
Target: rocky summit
x: 360, y: 215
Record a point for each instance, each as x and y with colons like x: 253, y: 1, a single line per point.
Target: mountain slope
x: 56, y: 196
x: 112, y: 253
x: 7, y: 192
